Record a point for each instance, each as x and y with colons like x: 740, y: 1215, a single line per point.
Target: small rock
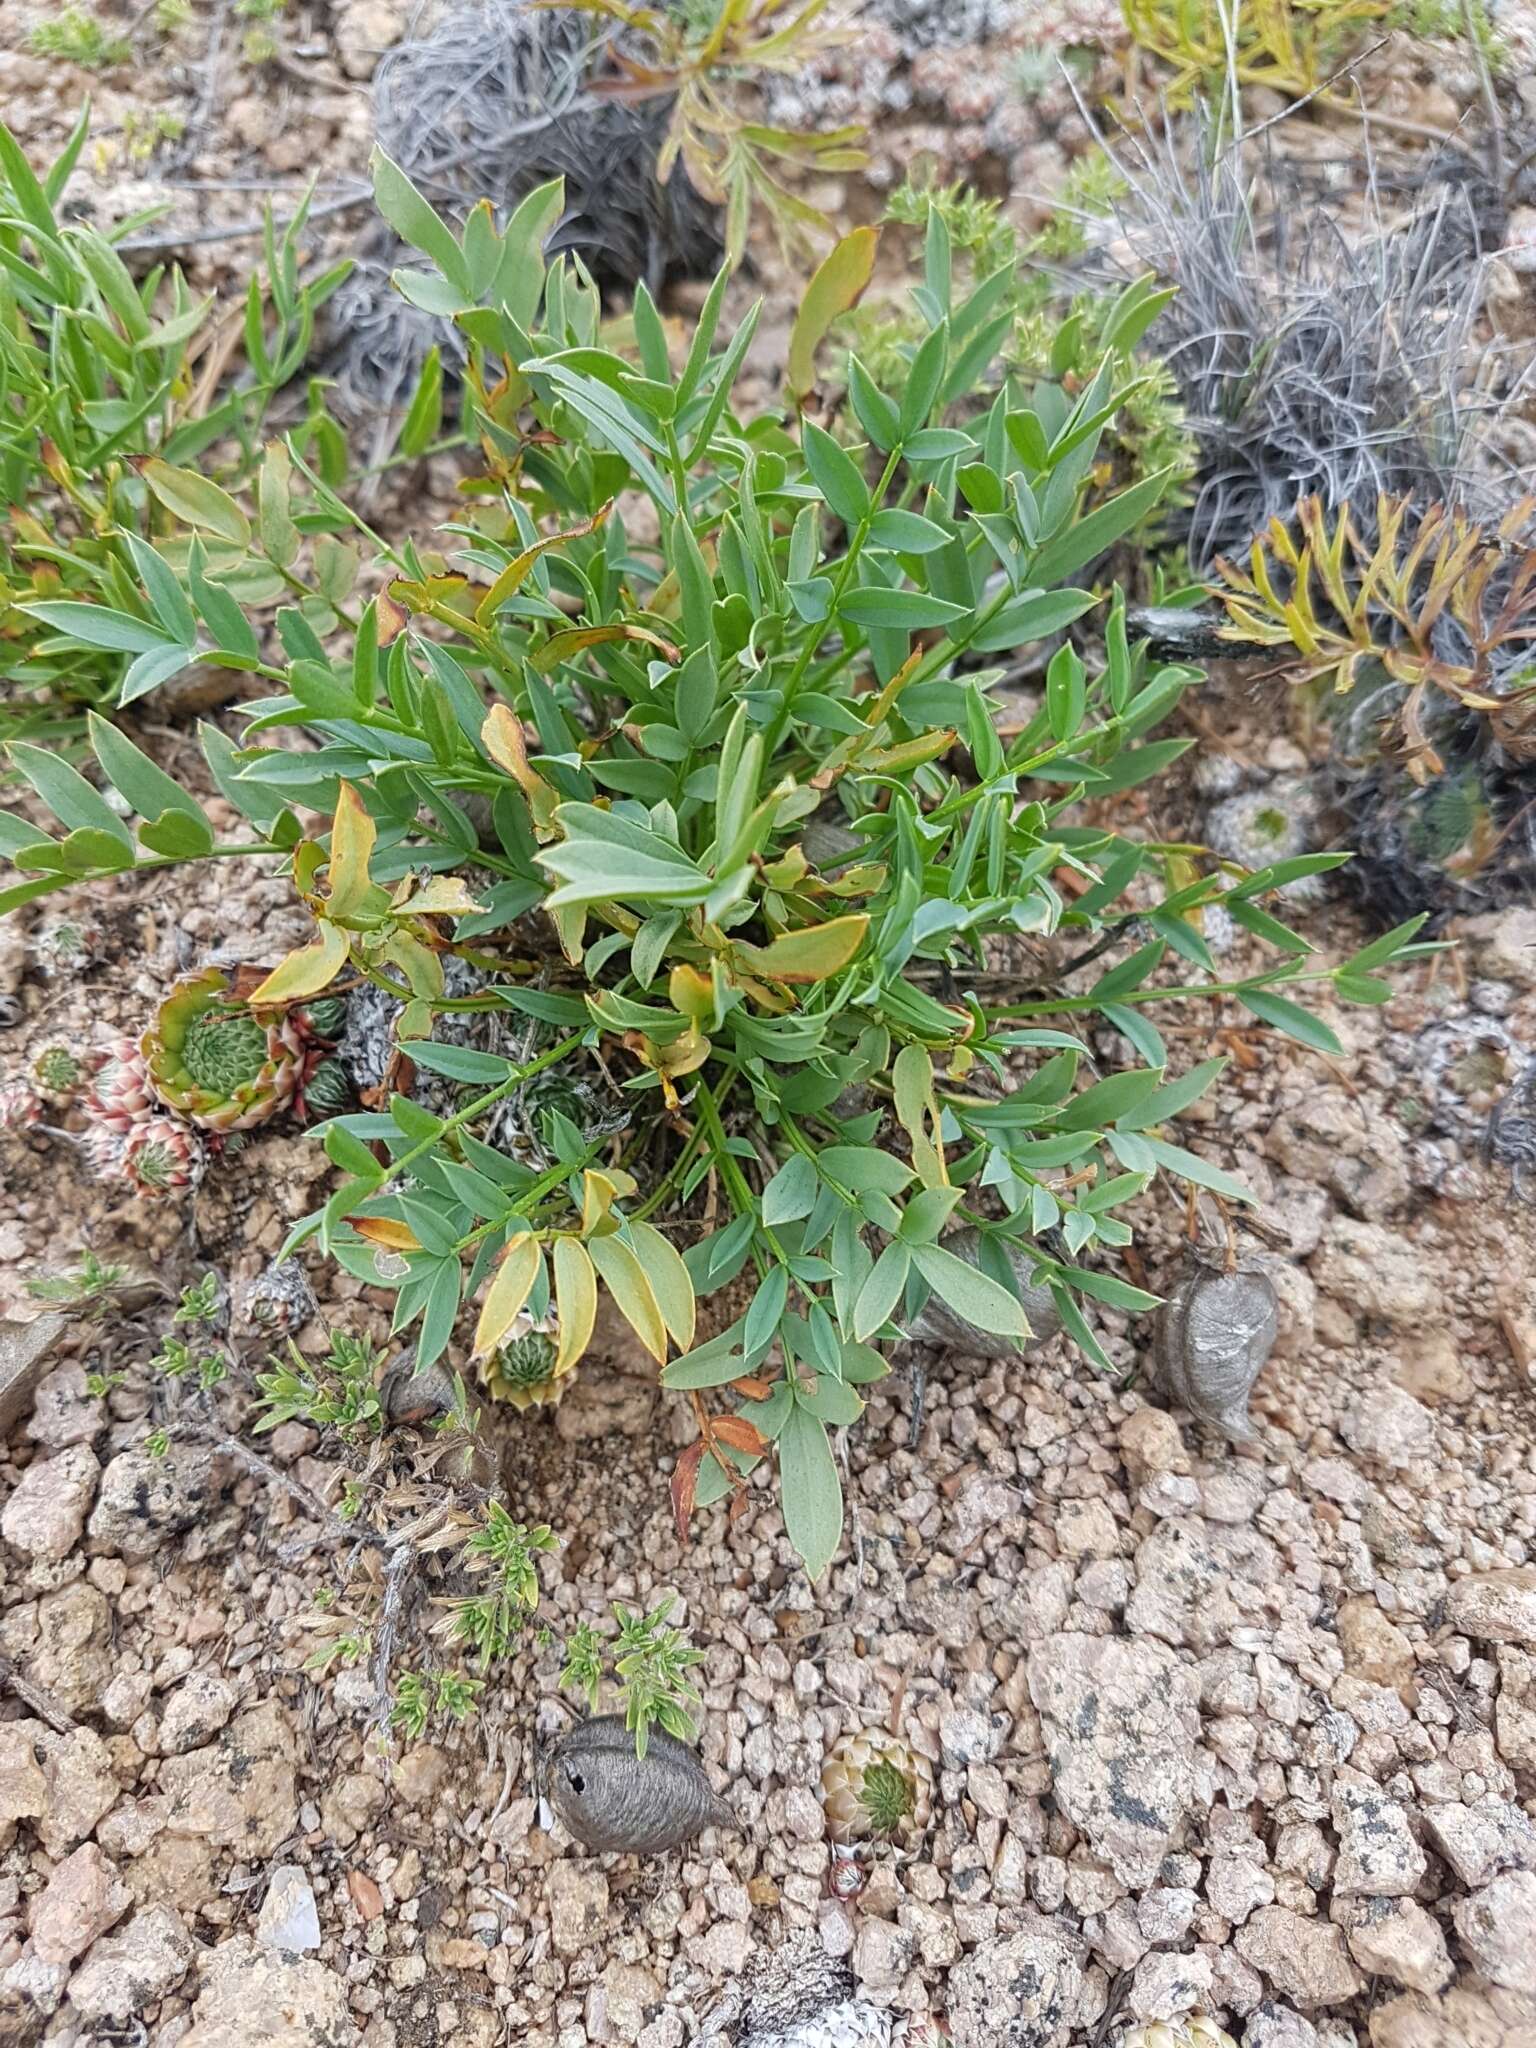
x: 1337, y: 1143
x: 83, y: 1898
x: 72, y: 1660
x: 578, y: 1906
x: 1396, y: 1938
x: 1497, y: 1607
x: 1305, y: 1959
x: 289, y: 1918
x: 239, y: 1792
x: 1151, y: 1443
x: 1273, y: 2025
x: 195, y: 1712
x: 1166, y: 1985
x: 1514, y: 1713
x: 1497, y: 1926
x: 1020, y: 1990
x: 421, y: 1774
x: 1237, y: 1886
x: 350, y: 1805
x: 82, y: 1787
x: 65, y: 1411
x: 46, y: 1513
x: 1376, y: 1272
x: 126, y: 1972
x: 1430, y: 1369
x: 1388, y: 1425
x: 1378, y: 1856
x: 23, y: 1787
x: 967, y: 1737
x: 250, y: 1995
x: 1374, y: 1648
x: 1482, y: 1840
x: 1121, y: 1721
x: 144, y: 1500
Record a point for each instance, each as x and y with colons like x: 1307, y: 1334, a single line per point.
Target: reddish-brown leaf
x: 740, y: 1434
x: 754, y: 1389
x: 366, y: 1896
x: 685, y: 1482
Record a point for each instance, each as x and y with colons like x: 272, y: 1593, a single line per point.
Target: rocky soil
x: 1249, y: 1730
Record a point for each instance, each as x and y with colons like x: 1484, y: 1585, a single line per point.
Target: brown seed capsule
x: 876, y: 1788
x: 610, y: 1799
x: 1213, y: 1335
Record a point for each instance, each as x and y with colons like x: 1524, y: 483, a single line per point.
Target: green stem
x: 742, y: 1197
x: 1054, y: 1005
x: 845, y: 570
x: 476, y: 1108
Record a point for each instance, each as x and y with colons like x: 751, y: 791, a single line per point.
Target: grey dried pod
x: 1212, y: 1337
x: 612, y: 1800
x: 797, y: 1996
x: 937, y: 1322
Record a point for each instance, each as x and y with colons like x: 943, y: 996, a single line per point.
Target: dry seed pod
x: 1193, y: 2030
x: 1211, y: 1340
x: 610, y: 1799
x: 876, y: 1789
x: 937, y: 1322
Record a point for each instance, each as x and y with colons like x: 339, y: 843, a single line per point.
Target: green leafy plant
x: 106, y: 384
x: 338, y: 1391
x: 86, y: 1289
x: 1056, y: 338
x: 651, y: 1664
x: 748, y: 831
x: 701, y: 55
x: 79, y: 36
x: 1289, y: 46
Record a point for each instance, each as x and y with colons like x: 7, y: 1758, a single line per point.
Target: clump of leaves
x: 421, y: 1694
x: 106, y: 384
x: 338, y: 1391
x: 651, y: 1663
x: 77, y: 35
x: 85, y: 1289
x: 1433, y: 600
x: 700, y: 55
x: 1289, y: 46
x: 1041, y: 330
x: 596, y: 751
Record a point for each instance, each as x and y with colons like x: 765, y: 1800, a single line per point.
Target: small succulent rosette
x: 213, y: 1060
x: 876, y: 1788
x: 119, y: 1095
x: 162, y: 1156
x: 524, y: 1369
x: 1193, y: 2030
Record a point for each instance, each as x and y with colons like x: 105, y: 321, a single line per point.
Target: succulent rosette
x: 20, y: 1105
x: 162, y: 1156
x: 523, y: 1370
x: 120, y: 1095
x: 212, y: 1060
x: 1193, y: 2030
x: 876, y: 1788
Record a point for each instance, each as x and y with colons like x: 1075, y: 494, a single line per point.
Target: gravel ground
x: 1246, y: 1730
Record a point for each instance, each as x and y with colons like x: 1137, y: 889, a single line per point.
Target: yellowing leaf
x: 508, y: 1291
x: 917, y: 1111
x: 575, y: 1299
x: 598, y: 1195
x: 304, y: 972
x: 669, y: 1280
x: 837, y: 285
x: 438, y: 896
x: 577, y: 638
x: 624, y: 1277
x: 692, y: 993
x: 386, y: 1231
x: 511, y: 578
x: 502, y: 738
x: 353, y: 833
x: 198, y: 501
x: 812, y: 954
